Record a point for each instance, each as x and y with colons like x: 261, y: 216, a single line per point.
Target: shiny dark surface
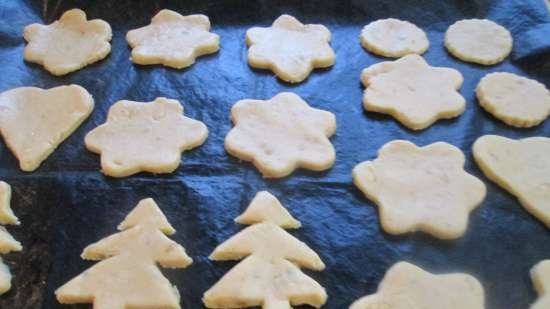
x: 67, y: 204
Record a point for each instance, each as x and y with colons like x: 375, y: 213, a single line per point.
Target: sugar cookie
x: 394, y: 38
x: 7, y: 242
x: 413, y: 92
x: 420, y: 188
x: 173, y: 40
x: 68, y: 44
x: 479, y: 41
x: 266, y: 208
x: 540, y: 274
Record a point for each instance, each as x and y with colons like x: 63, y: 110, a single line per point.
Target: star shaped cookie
x: 281, y: 134
x: 144, y: 137
x: 420, y: 188
x: 173, y: 40
x: 412, y: 91
x: 289, y: 48
x: 68, y: 44
x: 408, y: 286
x: 521, y: 167
x: 540, y: 274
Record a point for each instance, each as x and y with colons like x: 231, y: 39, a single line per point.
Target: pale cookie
x: 7, y: 244
x: 144, y: 137
x: 521, y: 167
x: 128, y: 275
x: 289, y: 48
x: 516, y: 100
x: 479, y: 41
x: 394, y: 38
x: 270, y: 275
x: 281, y: 134
x: 173, y: 40
x: 408, y: 286
x: 34, y: 121
x: 266, y: 208
x: 6, y: 214
x: 68, y: 44
x: 540, y: 274
x: 420, y: 188
x: 413, y: 92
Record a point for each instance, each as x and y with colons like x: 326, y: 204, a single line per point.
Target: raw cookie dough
x: 68, y: 44
x: 128, y: 275
x: 144, y: 137
x: 173, y: 40
x: 408, y: 286
x: 6, y: 214
x: 266, y: 208
x: 516, y: 100
x: 420, y: 188
x: 7, y: 242
x: 289, y: 48
x: 521, y: 167
x: 270, y: 275
x: 412, y: 91
x: 479, y: 41
x: 34, y: 121
x: 394, y: 38
x: 540, y: 274
x: 281, y: 134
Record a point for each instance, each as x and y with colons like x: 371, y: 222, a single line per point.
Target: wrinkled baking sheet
x: 67, y: 204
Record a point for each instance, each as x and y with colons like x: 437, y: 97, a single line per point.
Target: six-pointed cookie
x: 144, y: 137
x: 289, y: 48
x: 420, y: 188
x: 281, y: 134
x: 68, y: 44
x: 413, y: 92
x: 173, y: 40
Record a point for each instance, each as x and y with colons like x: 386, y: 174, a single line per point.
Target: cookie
x: 173, y: 40
x: 479, y: 41
x: 144, y: 137
x: 6, y: 214
x: 68, y: 44
x: 34, y: 121
x: 394, y: 38
x: 515, y: 100
x: 540, y: 274
x: 413, y: 92
x: 128, y: 275
x: 281, y: 134
x: 408, y: 286
x: 521, y: 167
x: 289, y: 48
x: 7, y: 242
x: 420, y: 188
x: 269, y: 275
x: 266, y: 208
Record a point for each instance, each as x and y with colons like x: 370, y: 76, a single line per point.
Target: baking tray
x: 67, y: 204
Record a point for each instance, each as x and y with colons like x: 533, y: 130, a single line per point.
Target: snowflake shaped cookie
x: 144, y: 137
x: 420, y: 188
x: 413, y: 92
x: 540, y: 274
x: 408, y: 286
x: 173, y: 40
x: 281, y: 134
x: 68, y: 44
x: 289, y: 48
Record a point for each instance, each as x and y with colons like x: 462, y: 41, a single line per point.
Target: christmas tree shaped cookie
x: 128, y: 275
x: 270, y: 275
x: 540, y: 274
x: 266, y: 207
x: 7, y: 242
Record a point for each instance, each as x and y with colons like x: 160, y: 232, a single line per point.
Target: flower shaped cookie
x: 408, y: 286
x: 68, y: 44
x: 281, y: 134
x: 289, y: 48
x: 420, y: 188
x: 173, y: 40
x: 147, y: 137
x: 412, y: 91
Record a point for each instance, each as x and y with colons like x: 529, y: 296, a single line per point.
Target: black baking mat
x: 67, y: 204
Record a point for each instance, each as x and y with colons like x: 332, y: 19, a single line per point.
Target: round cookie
x: 479, y: 41
x: 394, y: 38
x: 513, y: 99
